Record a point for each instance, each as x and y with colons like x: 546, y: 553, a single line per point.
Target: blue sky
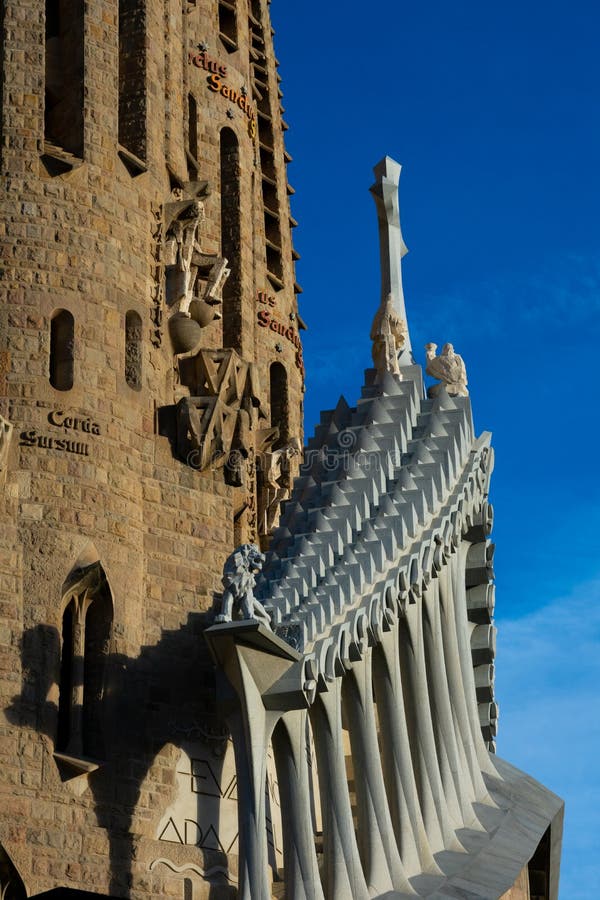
x: 494, y: 112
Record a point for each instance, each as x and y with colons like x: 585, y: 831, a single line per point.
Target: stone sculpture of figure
x: 449, y: 368
x: 388, y: 333
x: 239, y: 578
x: 276, y: 481
x: 183, y: 260
x: 6, y: 430
x: 181, y: 242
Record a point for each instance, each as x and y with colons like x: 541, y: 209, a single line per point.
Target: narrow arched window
x: 133, y: 350
x: 62, y: 350
x: 279, y: 400
x: 86, y: 631
x: 231, y: 238
x: 192, y: 138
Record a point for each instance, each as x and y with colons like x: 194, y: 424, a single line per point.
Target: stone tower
x: 151, y: 385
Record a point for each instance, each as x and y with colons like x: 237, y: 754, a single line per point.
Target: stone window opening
x: 133, y: 350
x: 271, y: 207
x: 62, y: 350
x: 228, y: 29
x: 86, y: 633
x: 256, y: 12
x: 231, y: 238
x: 280, y: 404
x: 192, y: 139
x: 64, y: 76
x: 132, y: 85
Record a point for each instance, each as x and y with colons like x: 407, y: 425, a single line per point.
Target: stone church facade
x: 151, y: 392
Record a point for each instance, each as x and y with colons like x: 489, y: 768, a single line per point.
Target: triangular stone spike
x: 334, y: 540
x: 386, y: 507
x: 443, y: 401
x: 388, y: 384
x: 318, y: 521
x: 342, y: 516
x: 354, y: 573
x: 337, y: 599
x: 406, y: 481
x: 429, y: 488
x: 421, y: 453
x: 434, y: 476
x: 387, y: 535
x: 365, y: 442
x: 409, y: 519
x: 334, y: 496
x: 377, y: 412
x: 367, y: 566
x: 323, y: 556
x: 368, y: 533
x: 342, y: 412
x: 349, y: 556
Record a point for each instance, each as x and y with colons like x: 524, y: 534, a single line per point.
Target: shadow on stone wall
x: 149, y: 702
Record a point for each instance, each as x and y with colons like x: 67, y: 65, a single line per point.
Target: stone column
x: 378, y: 849
x: 251, y: 727
x: 259, y: 678
x: 457, y: 786
x: 458, y: 691
x: 399, y: 774
x: 343, y: 874
x: 81, y: 605
x: 439, y: 822
x: 301, y: 870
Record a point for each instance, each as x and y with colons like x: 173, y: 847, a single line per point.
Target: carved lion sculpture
x: 239, y: 578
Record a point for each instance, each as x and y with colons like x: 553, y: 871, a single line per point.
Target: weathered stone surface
x: 84, y: 229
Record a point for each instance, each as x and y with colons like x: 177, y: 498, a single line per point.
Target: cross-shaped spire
x: 391, y: 245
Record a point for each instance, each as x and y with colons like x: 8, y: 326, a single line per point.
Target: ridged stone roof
x: 386, y: 491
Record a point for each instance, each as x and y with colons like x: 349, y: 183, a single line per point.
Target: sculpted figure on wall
x: 186, y: 264
x: 388, y: 333
x: 276, y: 477
x: 449, y: 368
x: 6, y: 431
x: 239, y: 579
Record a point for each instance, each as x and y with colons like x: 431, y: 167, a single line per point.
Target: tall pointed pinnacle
x: 391, y: 245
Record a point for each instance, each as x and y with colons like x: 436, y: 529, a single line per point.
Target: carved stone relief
x: 275, y: 477
x: 388, y: 333
x: 239, y: 579
x: 157, y: 276
x: 221, y: 425
x: 193, y: 279
x: 449, y: 368
x: 218, y: 424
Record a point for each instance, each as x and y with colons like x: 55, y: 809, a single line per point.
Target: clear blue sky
x: 494, y: 112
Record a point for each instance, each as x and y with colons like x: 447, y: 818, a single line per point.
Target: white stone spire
x: 391, y: 245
